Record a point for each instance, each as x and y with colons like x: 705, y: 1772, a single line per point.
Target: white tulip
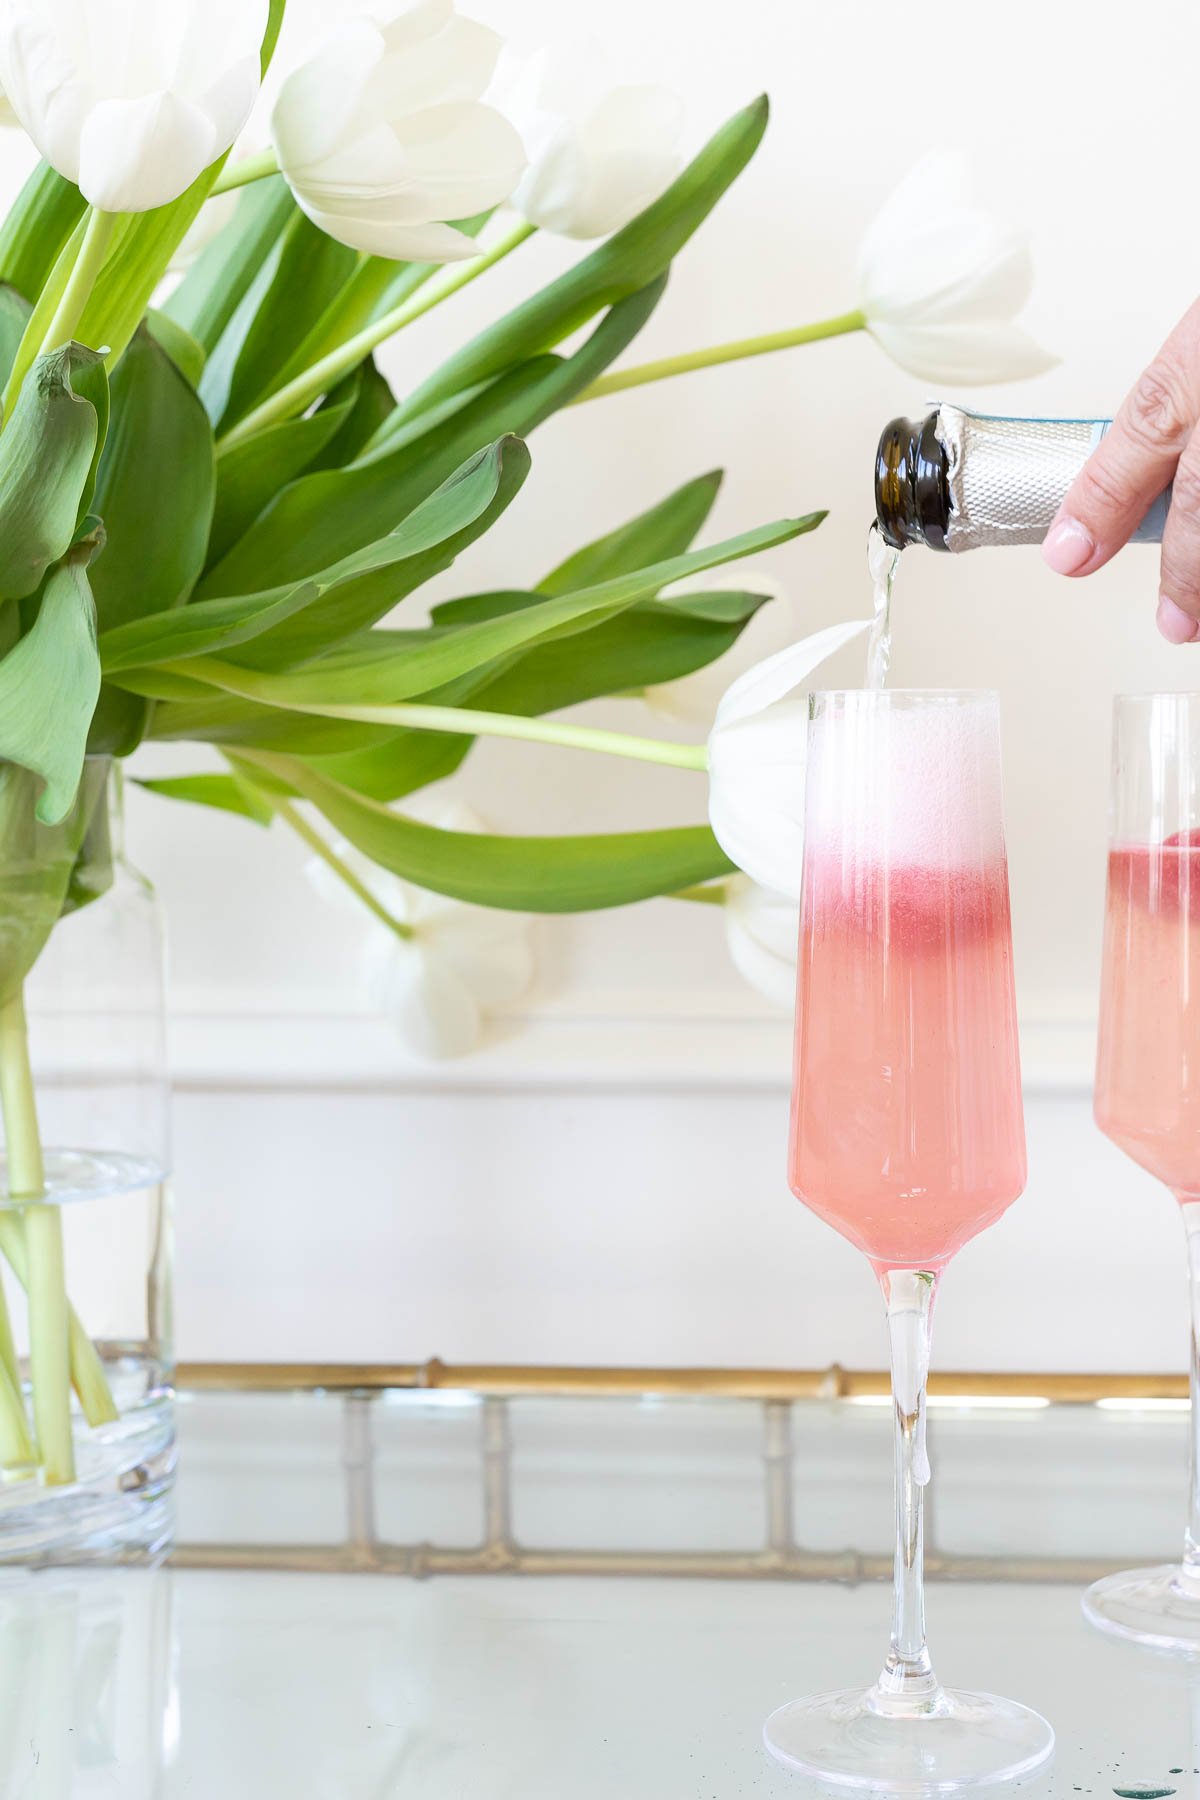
x: 131, y: 101
x: 756, y: 758
x: 382, y: 138
x: 693, y: 699
x: 461, y: 961
x: 762, y: 929
x: 597, y: 153
x: 941, y: 280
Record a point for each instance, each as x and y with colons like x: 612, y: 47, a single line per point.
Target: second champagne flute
x: 1148, y: 1065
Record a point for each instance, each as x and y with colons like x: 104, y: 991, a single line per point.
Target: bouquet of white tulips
x: 209, y: 505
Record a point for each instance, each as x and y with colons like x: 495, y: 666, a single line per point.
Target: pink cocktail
x: 1148, y: 1062
x: 908, y: 1137
x: 907, y: 1130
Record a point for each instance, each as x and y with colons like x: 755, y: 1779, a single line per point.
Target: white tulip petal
x: 133, y: 100
x: 598, y: 155
x: 460, y: 961
x: 319, y: 105
x: 769, y: 681
x: 467, y: 157
x: 429, y: 1004
x: 960, y: 355
x: 965, y: 266
x: 399, y: 243
x: 762, y: 929
x: 547, y: 194
x: 382, y: 137
x: 454, y: 64
x: 941, y: 280
x: 135, y: 155
x: 756, y: 796
x: 496, y: 974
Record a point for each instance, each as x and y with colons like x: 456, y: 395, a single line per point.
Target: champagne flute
x: 1148, y: 1064
x: 908, y: 1137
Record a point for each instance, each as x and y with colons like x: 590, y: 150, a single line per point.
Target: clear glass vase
x: 86, y: 1403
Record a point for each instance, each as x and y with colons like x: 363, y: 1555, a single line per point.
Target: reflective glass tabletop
x: 451, y: 1594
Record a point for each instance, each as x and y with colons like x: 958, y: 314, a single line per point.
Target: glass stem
x: 908, y: 1683
x: 1190, y: 1571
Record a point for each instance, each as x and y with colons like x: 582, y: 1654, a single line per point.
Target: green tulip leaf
x: 219, y: 279
x: 49, y: 684
x: 373, y: 402
x: 525, y: 874
x: 14, y: 317
x: 48, y: 457
x: 388, y: 666
x: 353, y: 593
x: 325, y: 516
x: 305, y: 271
x: 252, y: 473
x: 663, y: 530
x: 185, y: 351
x: 227, y: 793
x: 154, y: 491
x: 36, y: 229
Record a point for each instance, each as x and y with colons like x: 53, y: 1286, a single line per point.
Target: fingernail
x: 1176, y: 626
x: 1067, y: 546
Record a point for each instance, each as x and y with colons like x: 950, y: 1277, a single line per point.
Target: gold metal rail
x: 356, y: 1388
x: 832, y: 1383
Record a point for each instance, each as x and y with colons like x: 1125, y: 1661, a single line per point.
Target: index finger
x: 1134, y: 461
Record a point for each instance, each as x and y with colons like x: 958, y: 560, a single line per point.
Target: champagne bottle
x: 959, y: 480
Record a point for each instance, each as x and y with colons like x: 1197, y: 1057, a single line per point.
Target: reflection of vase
x: 94, y: 1002
x: 88, y: 1701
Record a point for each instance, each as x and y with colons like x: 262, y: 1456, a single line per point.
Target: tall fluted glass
x: 1148, y: 1064
x: 908, y: 1137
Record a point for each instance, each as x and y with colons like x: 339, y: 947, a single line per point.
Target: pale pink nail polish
x: 1067, y: 546
x: 1176, y: 626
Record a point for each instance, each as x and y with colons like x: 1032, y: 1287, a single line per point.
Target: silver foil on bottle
x: 1008, y: 477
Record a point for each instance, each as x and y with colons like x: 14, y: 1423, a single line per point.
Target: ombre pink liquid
x: 1148, y: 1064
x: 907, y: 1129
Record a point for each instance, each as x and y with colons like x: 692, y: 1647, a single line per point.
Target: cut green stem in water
x: 49, y: 1331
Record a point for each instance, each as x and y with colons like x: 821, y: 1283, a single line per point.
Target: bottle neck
x: 912, y: 485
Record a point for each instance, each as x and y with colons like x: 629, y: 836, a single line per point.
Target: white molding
x: 627, y: 1041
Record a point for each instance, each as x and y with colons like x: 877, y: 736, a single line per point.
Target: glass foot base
x: 959, y: 1741
x: 1146, y: 1606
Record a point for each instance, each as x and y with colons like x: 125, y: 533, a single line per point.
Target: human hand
x: 1153, y: 443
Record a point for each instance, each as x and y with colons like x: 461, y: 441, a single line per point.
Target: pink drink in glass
x: 1148, y: 1064
x: 907, y: 1131
x: 907, y: 1137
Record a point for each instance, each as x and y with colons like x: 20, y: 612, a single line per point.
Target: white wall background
x: 605, y: 1183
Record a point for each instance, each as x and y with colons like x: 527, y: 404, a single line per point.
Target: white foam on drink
x: 915, y: 785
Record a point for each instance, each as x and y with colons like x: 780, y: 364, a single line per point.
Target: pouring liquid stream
x: 882, y: 563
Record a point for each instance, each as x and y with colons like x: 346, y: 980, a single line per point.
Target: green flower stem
x: 16, y: 1445
x: 737, y: 351
x: 707, y: 893
x: 251, y: 168
x: 329, y: 856
x: 295, y: 395
x: 88, y: 264
x: 49, y: 1332
x: 87, y: 1371
x: 512, y: 725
